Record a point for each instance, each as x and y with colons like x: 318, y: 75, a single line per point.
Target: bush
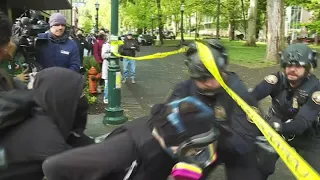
x: 88, y: 62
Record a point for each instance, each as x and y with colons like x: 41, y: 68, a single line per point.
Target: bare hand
x: 24, y: 76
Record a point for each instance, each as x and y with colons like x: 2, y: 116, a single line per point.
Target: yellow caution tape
x: 154, y: 56
x: 115, y: 46
x: 118, y: 42
x: 296, y: 164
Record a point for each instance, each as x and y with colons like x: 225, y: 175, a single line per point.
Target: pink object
x: 185, y: 174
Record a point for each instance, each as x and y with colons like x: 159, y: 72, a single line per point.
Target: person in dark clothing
x: 60, y: 50
x: 50, y: 122
x: 90, y: 39
x: 295, y: 109
x: 82, y: 44
x: 236, y: 145
x: 146, y: 148
x: 129, y: 47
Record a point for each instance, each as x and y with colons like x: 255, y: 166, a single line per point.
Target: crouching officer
x: 236, y: 147
x: 146, y: 148
x: 294, y: 113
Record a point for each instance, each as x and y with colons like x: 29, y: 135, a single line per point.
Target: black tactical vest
x: 285, y: 103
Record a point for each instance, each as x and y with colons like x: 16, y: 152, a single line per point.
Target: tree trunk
x: 176, y: 22
x: 316, y: 38
x: 218, y: 20
x: 252, y: 23
x: 160, y: 24
x: 244, y: 19
x: 275, y: 36
x: 231, y: 29
x: 190, y: 28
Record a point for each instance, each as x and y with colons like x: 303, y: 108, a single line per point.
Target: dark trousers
x: 238, y: 166
x: 98, y: 161
x: 101, y: 81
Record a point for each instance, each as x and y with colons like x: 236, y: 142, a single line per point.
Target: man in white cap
x: 60, y: 50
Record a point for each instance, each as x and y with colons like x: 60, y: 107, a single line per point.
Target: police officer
x: 294, y: 113
x: 146, y: 148
x: 236, y: 144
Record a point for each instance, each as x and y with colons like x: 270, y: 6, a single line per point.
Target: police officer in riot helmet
x: 294, y: 113
x: 177, y: 138
x: 236, y: 146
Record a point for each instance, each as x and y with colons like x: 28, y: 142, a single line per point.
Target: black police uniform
x: 236, y: 147
x: 301, y: 106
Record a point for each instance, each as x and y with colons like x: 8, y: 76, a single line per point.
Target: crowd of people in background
x: 98, y: 46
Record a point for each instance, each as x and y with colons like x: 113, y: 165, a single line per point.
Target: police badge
x: 220, y: 113
x: 316, y: 97
x: 271, y: 79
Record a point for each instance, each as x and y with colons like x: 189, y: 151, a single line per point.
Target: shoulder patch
x: 271, y: 79
x: 316, y: 97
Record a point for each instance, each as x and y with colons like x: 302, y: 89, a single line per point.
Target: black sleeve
x: 137, y: 46
x: 306, y: 116
x: 267, y: 87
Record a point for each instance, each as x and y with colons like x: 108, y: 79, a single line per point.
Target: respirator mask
x: 196, y: 152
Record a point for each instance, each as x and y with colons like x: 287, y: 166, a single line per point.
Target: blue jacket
x: 61, y: 52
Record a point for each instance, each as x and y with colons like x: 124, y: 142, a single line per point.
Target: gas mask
x: 194, y: 156
x: 196, y: 152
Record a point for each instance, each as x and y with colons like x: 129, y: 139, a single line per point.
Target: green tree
x: 87, y: 14
x: 85, y: 20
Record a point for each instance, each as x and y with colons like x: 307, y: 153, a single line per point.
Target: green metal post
x: 114, y: 113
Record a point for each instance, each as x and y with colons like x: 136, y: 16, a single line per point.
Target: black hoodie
x: 57, y: 92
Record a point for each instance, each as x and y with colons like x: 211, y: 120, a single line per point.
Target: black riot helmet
x: 299, y: 54
x: 196, y: 68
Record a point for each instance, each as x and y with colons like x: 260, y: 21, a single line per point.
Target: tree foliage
x: 87, y: 14
x: 314, y: 7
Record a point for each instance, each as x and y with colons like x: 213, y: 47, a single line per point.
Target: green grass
x: 252, y: 57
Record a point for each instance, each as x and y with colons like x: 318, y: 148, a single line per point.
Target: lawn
x: 252, y: 57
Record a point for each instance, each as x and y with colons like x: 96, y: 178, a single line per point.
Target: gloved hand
x: 275, y: 123
x: 24, y: 76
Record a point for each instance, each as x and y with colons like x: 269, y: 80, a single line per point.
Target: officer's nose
x: 210, y: 83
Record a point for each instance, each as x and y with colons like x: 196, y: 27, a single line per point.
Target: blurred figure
x: 130, y: 47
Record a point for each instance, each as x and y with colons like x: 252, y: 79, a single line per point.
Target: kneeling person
x: 147, y: 148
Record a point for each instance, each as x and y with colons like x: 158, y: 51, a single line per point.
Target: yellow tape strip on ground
x: 296, y: 164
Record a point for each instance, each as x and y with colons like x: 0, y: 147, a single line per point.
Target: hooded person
x: 146, y: 148
x: 47, y: 129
